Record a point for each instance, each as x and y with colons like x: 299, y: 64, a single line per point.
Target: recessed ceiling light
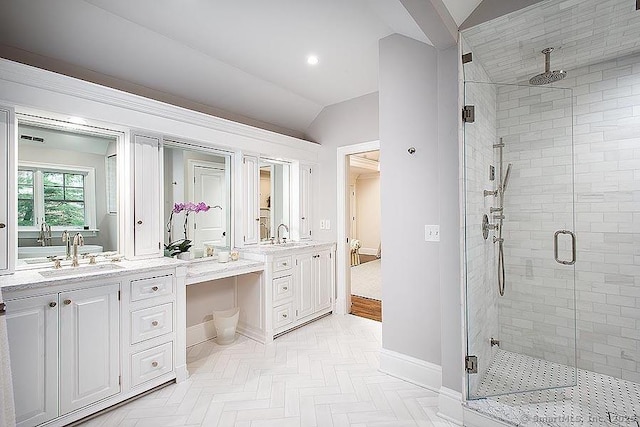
x: 312, y: 60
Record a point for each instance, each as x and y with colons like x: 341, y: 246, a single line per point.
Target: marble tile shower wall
x: 537, y: 310
x: 482, y: 316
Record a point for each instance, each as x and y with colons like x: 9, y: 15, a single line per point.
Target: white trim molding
x: 473, y: 418
x: 343, y: 262
x: 407, y: 368
x: 450, y: 405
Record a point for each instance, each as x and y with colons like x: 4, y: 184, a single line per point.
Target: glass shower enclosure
x: 520, y: 246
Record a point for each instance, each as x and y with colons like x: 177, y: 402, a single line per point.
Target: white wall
x: 368, y: 212
x: 410, y: 198
x: 346, y: 123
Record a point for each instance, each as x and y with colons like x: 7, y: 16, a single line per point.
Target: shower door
x: 519, y: 273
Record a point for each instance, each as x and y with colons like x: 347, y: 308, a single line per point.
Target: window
x: 57, y: 195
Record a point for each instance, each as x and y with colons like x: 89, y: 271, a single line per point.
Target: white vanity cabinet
x: 300, y: 285
x: 7, y: 186
x: 146, y: 198
x: 250, y: 203
x: 306, y: 188
x: 64, y: 350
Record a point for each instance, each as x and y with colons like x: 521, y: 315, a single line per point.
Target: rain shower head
x: 506, y: 177
x: 548, y: 76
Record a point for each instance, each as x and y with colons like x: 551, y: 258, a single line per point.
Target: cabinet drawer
x: 150, y: 288
x: 282, y: 264
x: 282, y: 289
x: 151, y: 322
x: 282, y: 315
x: 152, y: 363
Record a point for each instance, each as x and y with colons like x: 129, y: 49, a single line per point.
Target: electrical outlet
x: 432, y: 233
x: 322, y: 224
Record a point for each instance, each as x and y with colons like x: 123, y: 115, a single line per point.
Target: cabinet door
x: 7, y: 180
x: 304, y: 285
x: 147, y: 191
x: 89, y: 340
x: 323, y: 275
x: 305, y: 201
x: 251, y: 206
x: 32, y: 325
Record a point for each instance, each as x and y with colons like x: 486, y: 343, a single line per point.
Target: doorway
x: 358, y: 226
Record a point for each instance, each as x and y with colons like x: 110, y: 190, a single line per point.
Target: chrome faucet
x: 66, y: 239
x: 284, y: 239
x: 78, y: 240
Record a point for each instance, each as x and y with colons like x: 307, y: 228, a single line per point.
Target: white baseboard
x: 368, y: 251
x: 207, y: 331
x: 200, y: 333
x: 416, y: 371
x: 450, y: 405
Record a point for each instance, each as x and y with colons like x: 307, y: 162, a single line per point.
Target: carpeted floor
x: 365, y: 280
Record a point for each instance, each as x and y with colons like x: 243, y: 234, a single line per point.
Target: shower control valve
x: 493, y: 193
x: 497, y: 239
x: 498, y: 216
x: 492, y: 209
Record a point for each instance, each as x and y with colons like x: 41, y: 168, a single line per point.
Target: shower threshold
x: 597, y: 400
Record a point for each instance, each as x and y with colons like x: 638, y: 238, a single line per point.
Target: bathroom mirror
x: 197, y: 197
x: 67, y: 180
x: 275, y: 195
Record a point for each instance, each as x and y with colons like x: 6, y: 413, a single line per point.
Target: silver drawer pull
x: 154, y: 364
x: 67, y: 302
x: 154, y: 323
x: 154, y: 289
x: 285, y: 264
x: 2, y: 225
x: 284, y: 316
x: 284, y: 288
x: 52, y: 304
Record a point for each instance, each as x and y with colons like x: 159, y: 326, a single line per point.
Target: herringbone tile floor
x: 324, y: 374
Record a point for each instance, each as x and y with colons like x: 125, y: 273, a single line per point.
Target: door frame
x: 343, y: 263
x: 190, y: 184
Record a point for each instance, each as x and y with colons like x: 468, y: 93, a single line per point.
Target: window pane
x: 53, y: 178
x: 25, y: 178
x: 25, y: 192
x: 25, y: 213
x: 72, y: 180
x: 53, y: 193
x: 64, y: 213
x: 74, y: 194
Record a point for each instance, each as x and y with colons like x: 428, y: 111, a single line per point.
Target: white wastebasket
x: 225, y: 323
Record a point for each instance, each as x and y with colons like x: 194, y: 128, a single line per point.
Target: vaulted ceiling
x: 245, y: 60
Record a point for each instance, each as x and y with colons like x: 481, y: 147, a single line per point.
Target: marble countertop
x: 203, y: 270
x: 44, y: 277
x: 285, y: 249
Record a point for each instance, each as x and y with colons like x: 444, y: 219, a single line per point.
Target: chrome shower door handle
x: 573, y: 247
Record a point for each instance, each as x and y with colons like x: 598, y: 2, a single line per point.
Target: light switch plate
x: 322, y: 224
x: 327, y: 224
x: 432, y: 233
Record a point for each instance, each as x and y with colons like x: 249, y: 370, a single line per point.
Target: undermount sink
x: 85, y: 269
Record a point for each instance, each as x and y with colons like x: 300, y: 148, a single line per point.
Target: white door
x: 323, y: 280
x: 305, y: 201
x: 32, y: 325
x: 89, y: 340
x: 147, y: 207
x: 251, y: 200
x: 6, y: 178
x: 209, y: 185
x: 305, y: 286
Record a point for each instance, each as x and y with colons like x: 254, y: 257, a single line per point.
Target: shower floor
x: 597, y: 400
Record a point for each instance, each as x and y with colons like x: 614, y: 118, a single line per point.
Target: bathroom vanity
x: 85, y: 338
